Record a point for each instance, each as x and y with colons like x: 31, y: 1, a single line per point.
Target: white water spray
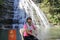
x: 38, y: 17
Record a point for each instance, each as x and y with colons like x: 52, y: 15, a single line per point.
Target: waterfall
x: 26, y: 8
x: 19, y: 15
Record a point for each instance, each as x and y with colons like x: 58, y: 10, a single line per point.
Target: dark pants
x: 30, y: 37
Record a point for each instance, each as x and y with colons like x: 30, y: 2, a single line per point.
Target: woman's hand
x: 26, y: 30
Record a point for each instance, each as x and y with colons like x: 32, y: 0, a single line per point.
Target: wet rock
x: 6, y: 21
x: 7, y: 13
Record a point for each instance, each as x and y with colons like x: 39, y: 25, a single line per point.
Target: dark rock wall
x: 7, y: 14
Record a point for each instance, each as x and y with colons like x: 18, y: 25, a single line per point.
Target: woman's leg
x: 27, y: 38
x: 33, y: 38
x: 30, y: 38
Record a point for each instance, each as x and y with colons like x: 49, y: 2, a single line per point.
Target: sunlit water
x: 26, y: 8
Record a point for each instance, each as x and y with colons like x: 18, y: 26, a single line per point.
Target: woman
x: 28, y: 30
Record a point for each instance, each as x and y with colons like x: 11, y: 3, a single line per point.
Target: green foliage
x: 52, y: 9
x: 1, y: 1
x: 38, y: 1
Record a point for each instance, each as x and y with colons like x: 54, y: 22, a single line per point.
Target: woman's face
x: 29, y: 20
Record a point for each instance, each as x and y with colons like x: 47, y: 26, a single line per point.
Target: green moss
x: 52, y: 10
x: 55, y: 33
x: 1, y: 2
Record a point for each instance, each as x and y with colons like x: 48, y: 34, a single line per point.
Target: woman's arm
x: 28, y: 31
x: 35, y: 30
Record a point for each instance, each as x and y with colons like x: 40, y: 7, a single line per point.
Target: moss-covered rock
x: 54, y: 33
x: 52, y: 10
x: 1, y: 2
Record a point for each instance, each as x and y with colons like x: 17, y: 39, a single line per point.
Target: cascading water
x: 19, y: 14
x: 25, y: 8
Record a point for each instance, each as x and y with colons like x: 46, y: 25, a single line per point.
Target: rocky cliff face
x: 37, y: 1
x: 7, y: 14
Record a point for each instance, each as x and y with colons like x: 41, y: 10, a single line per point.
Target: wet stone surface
x: 7, y: 14
x: 12, y: 17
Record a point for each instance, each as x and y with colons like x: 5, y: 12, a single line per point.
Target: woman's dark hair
x: 28, y: 19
